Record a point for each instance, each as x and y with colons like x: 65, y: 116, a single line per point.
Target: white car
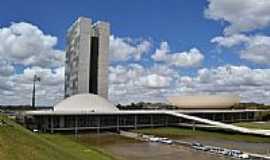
x: 154, y: 139
x: 244, y: 156
x: 167, y: 141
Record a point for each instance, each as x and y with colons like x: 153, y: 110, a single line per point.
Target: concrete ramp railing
x: 220, y: 124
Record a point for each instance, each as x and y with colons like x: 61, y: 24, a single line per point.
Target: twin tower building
x: 86, y: 65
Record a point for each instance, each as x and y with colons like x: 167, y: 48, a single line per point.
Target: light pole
x: 36, y: 78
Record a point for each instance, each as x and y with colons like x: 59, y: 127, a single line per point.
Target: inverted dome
x: 85, y: 103
x: 204, y: 101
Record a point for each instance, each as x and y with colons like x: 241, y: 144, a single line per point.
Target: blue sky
x: 226, y: 35
x: 130, y: 18
x: 178, y: 22
x: 181, y: 23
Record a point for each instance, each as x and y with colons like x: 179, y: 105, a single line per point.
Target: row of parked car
x: 233, y: 153
x: 219, y: 150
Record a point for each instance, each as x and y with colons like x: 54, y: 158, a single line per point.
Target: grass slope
x: 18, y: 143
x: 185, y: 133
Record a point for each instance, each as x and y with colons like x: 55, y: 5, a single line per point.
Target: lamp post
x: 36, y: 78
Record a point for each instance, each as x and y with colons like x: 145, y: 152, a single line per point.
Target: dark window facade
x: 93, y: 80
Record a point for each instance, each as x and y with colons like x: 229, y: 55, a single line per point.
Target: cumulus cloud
x: 253, y: 48
x: 157, y: 76
x: 155, y: 81
x: 24, y: 43
x: 49, y: 77
x: 230, y: 41
x: 128, y: 82
x: 160, y: 81
x: 123, y: 49
x: 161, y: 53
x: 6, y: 69
x: 135, y: 82
x: 18, y: 87
x: 191, y: 58
x: 242, y: 15
x: 250, y: 84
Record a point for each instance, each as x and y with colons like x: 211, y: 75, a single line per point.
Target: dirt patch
x: 103, y: 139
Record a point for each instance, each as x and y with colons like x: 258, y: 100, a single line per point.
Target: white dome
x: 204, y: 101
x: 85, y: 103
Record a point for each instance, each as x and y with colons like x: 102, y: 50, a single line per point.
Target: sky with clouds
x: 157, y: 49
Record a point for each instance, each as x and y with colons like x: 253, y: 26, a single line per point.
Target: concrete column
x: 52, y: 125
x: 98, y: 124
x: 118, y: 123
x: 240, y: 116
x: 62, y: 122
x: 135, y: 121
x: 166, y: 121
x: 76, y: 125
x: 223, y: 117
x: 151, y: 121
x: 193, y: 126
x: 246, y: 116
x: 179, y: 121
x: 46, y: 128
x: 213, y: 117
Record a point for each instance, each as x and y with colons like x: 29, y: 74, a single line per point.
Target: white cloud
x: 259, y: 54
x: 6, y: 84
x: 24, y: 43
x: 129, y: 82
x: 123, y: 49
x: 250, y: 84
x: 155, y: 81
x: 149, y: 84
x: 161, y: 53
x: 191, y: 58
x: 6, y: 69
x: 230, y: 41
x: 242, y: 15
x: 49, y: 77
x: 133, y: 82
x: 253, y: 48
x: 18, y: 87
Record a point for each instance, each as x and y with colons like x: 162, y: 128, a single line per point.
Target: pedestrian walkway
x: 220, y: 124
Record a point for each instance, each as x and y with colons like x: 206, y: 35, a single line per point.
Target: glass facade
x: 93, y: 79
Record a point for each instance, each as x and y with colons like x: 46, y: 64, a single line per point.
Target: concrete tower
x: 86, y: 66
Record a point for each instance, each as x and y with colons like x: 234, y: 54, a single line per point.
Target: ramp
x: 220, y: 124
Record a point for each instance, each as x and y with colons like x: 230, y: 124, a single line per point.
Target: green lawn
x: 185, y: 133
x: 18, y: 143
x: 254, y: 125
